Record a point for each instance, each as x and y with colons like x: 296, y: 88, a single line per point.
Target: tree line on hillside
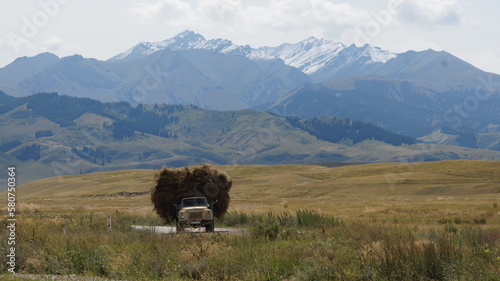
x: 333, y: 129
x: 29, y: 152
x: 97, y: 156
x: 43, y: 133
x: 4, y: 98
x: 149, y: 122
x: 466, y: 137
x: 63, y: 110
x: 9, y: 145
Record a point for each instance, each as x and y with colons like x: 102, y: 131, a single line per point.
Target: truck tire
x: 178, y: 228
x: 210, y: 227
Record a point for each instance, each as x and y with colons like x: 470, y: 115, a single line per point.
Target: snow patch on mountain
x: 378, y: 55
x: 309, y: 55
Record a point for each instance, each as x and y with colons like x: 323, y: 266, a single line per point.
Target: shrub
x: 480, y: 220
x: 43, y: 133
x: 233, y: 219
x: 267, y: 227
x: 314, y: 219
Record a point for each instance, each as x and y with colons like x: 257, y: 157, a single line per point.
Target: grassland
x: 417, y: 221
x: 416, y: 191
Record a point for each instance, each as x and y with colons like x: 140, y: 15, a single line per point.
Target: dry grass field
x: 409, y: 191
x: 414, y: 221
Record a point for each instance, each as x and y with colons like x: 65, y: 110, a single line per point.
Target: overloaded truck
x: 191, y: 196
x: 195, y: 212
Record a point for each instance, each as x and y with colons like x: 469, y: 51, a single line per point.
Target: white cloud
x: 42, y: 44
x: 57, y: 45
x: 341, y: 13
x: 220, y: 11
x: 254, y: 17
x: 54, y: 44
x: 487, y: 60
x: 431, y: 11
x: 461, y: 27
x: 17, y: 44
x: 165, y: 11
x: 299, y: 13
x: 414, y: 43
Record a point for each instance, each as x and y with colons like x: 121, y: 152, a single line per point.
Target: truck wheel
x: 210, y: 227
x: 178, y: 228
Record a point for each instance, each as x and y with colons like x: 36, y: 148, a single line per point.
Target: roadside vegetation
x: 387, y: 221
x: 292, y: 245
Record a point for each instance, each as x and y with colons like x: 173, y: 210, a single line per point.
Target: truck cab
x: 195, y: 212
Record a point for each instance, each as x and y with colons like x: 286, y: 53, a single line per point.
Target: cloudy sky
x: 102, y: 29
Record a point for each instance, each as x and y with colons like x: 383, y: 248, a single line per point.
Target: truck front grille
x: 195, y: 215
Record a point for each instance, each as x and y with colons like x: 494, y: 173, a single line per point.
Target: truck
x: 195, y: 212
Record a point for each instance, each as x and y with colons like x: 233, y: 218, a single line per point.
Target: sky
x: 102, y: 29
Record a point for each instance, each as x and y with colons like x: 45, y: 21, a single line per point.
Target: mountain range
x: 188, y: 69
x: 199, y: 77
x: 324, y: 59
x: 309, y: 56
x: 431, y: 95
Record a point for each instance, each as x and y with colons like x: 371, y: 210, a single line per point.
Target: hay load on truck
x: 186, y: 194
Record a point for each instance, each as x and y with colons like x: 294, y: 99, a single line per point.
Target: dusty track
x: 171, y: 229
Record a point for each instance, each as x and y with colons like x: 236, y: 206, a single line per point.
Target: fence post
x: 109, y: 223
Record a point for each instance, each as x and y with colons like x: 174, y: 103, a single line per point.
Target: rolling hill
x: 68, y: 135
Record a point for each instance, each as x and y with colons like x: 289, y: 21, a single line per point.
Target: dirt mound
x: 174, y: 184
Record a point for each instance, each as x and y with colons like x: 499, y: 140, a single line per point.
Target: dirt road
x: 171, y: 229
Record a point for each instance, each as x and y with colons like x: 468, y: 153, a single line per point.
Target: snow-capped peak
x: 184, y: 40
x: 189, y: 34
x: 376, y: 54
x: 309, y: 55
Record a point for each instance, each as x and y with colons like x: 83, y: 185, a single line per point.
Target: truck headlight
x: 182, y: 216
x: 208, y: 215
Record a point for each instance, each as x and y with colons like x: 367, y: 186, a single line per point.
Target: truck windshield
x: 191, y: 202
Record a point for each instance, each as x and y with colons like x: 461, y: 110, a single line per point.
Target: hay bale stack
x: 173, y: 185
